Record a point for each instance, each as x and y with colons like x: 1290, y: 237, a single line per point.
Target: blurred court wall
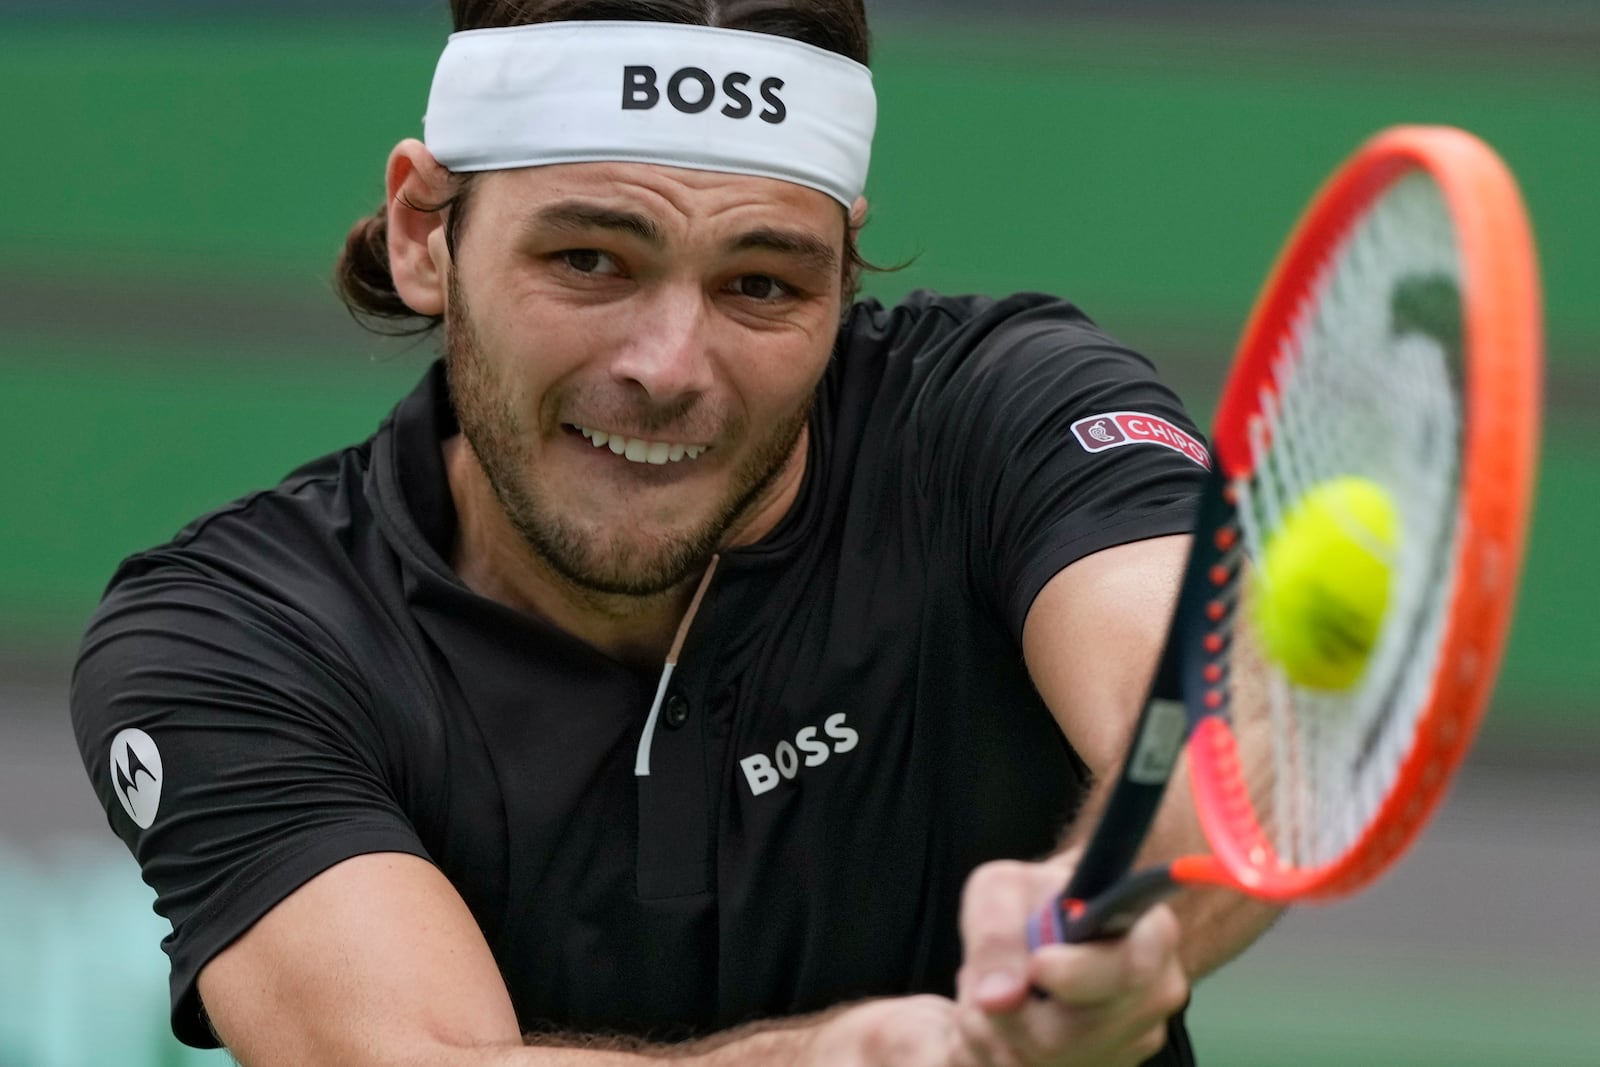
x: 177, y: 187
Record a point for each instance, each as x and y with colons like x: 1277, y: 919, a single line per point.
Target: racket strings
x: 1364, y: 385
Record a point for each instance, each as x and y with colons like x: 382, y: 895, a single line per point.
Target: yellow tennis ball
x: 1322, y: 583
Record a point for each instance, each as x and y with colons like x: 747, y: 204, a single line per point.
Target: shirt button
x: 676, y: 712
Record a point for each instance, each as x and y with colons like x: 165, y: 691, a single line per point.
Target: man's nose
x: 669, y: 354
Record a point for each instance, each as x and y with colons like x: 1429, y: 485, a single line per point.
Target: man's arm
x: 1092, y: 640
x: 378, y: 961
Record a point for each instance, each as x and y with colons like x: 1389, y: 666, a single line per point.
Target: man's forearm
x: 780, y: 1042
x: 1218, y: 924
x: 786, y: 1042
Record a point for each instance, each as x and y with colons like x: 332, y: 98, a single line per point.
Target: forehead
x: 683, y: 203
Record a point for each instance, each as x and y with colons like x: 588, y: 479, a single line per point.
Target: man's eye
x: 588, y: 261
x: 760, y: 287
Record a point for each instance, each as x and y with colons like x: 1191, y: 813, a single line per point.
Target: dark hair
x: 362, y: 275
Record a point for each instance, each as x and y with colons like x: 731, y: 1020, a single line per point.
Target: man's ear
x: 856, y: 219
x: 419, y: 259
x: 858, y: 214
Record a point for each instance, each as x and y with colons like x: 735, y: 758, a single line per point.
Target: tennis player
x: 697, y: 663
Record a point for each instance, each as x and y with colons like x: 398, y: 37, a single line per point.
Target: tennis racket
x: 1398, y: 340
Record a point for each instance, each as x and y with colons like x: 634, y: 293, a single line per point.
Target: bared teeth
x: 638, y: 450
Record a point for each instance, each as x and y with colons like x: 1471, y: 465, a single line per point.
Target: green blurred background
x: 179, y: 178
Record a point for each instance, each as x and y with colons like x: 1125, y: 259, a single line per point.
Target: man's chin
x: 612, y: 568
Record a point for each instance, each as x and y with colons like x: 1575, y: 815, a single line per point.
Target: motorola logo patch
x: 136, y: 776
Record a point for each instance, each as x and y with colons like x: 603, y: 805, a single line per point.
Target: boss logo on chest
x: 692, y: 90
x: 811, y: 748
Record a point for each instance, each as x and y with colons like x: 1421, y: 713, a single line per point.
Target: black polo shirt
x: 299, y: 678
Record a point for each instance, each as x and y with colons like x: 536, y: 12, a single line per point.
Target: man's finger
x: 1098, y: 972
x: 1045, y: 1031
x: 994, y: 913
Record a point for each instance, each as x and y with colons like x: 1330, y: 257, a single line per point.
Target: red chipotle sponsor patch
x: 1113, y: 429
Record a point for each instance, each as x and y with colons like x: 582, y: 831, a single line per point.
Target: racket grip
x: 1068, y: 921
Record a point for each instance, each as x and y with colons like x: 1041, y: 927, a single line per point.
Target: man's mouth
x: 639, y: 450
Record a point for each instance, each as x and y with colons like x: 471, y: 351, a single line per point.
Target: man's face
x: 633, y: 351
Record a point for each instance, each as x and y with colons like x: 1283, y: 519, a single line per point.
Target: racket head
x: 1441, y: 196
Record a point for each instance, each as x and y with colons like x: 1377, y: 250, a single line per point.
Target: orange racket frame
x: 1502, y: 360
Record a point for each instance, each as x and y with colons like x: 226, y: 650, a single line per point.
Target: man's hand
x: 1108, y: 1001
x: 1107, y: 1006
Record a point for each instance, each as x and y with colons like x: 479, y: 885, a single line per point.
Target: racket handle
x: 1069, y: 921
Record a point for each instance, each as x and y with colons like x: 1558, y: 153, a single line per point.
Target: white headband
x: 653, y: 92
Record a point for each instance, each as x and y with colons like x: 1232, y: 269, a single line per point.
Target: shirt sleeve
x: 233, y: 754
x: 1028, y: 494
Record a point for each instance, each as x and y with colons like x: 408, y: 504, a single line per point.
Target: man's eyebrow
x: 578, y: 216
x: 817, y: 253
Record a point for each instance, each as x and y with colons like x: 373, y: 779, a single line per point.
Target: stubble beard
x: 601, y: 567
